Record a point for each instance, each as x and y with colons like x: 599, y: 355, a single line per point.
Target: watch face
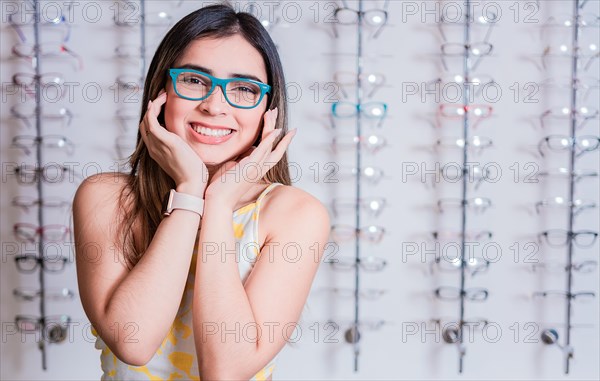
x: 166, y: 207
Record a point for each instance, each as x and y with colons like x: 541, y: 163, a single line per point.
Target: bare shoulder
x: 97, y: 200
x: 287, y: 207
x: 101, y: 187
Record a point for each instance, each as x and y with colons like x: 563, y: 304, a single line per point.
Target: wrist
x: 196, y: 190
x: 218, y: 204
x: 179, y: 200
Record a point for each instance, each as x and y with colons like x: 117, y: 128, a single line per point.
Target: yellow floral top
x: 176, y: 358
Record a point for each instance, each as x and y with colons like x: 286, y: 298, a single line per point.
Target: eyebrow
x: 231, y: 75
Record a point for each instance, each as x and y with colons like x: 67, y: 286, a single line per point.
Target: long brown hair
x: 147, y: 184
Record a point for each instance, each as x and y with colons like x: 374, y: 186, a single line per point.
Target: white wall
x: 407, y: 53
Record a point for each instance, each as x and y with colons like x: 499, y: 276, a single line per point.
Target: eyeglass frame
x: 55, y: 22
x: 572, y: 145
x: 39, y: 232
x: 351, y: 172
x: 470, y: 236
x: 580, y: 267
x: 577, y: 174
x: 485, y: 203
x: 484, y: 141
x: 468, y: 171
x: 366, y: 294
x: 361, y: 15
x: 62, y: 48
x: 25, y: 202
x: 578, y: 83
x: 547, y: 53
x: 40, y: 173
x: 580, y: 119
x: 65, y: 114
x: 40, y: 261
x: 466, y: 48
x: 220, y: 82
x: 358, y: 232
x: 43, y: 322
x: 565, y: 294
x: 338, y: 204
x: 68, y: 146
x: 477, y: 87
x: 361, y: 262
x: 473, y: 22
x: 570, y: 237
x: 475, y: 294
x: 375, y: 87
x: 30, y: 294
x: 468, y: 264
x: 578, y: 205
x: 362, y: 141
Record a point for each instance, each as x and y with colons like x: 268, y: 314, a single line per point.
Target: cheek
x: 173, y: 112
x: 253, y: 123
x: 252, y: 128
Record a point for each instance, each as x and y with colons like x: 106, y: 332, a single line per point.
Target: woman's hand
x: 172, y: 153
x: 233, y: 179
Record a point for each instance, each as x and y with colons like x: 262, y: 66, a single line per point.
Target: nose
x: 215, y: 103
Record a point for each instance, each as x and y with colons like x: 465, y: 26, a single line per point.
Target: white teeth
x: 209, y: 132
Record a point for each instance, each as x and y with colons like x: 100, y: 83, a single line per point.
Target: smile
x: 211, y: 135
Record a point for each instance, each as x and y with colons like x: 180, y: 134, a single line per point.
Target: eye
x: 246, y: 89
x: 192, y: 79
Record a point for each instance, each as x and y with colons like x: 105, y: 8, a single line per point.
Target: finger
x: 282, y: 146
x: 265, y: 147
x: 157, y: 103
x: 270, y: 119
x: 263, y: 158
x: 151, y: 117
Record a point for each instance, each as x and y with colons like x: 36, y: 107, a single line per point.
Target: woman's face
x: 222, y: 58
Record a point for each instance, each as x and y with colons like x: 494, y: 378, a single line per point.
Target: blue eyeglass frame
x: 222, y: 83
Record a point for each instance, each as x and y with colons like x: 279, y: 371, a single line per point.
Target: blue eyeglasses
x: 372, y: 110
x: 195, y: 85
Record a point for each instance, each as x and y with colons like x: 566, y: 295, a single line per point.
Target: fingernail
x: 293, y: 132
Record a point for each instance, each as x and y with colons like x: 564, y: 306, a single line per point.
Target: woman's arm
x: 131, y: 310
x: 225, y: 310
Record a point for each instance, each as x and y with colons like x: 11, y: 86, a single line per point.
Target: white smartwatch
x: 176, y: 200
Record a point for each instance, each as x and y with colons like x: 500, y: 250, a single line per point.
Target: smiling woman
x: 166, y: 298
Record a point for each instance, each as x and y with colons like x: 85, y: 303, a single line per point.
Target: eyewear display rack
x: 47, y: 329
x: 358, y: 109
x: 550, y: 335
x: 36, y: 62
x: 134, y: 87
x: 142, y: 40
x: 354, y: 333
x: 39, y: 161
x: 454, y: 333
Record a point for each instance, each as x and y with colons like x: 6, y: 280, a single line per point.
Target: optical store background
x: 412, y: 109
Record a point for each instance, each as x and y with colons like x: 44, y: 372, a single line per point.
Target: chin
x: 214, y: 158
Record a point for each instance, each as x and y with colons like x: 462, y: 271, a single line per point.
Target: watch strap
x: 177, y: 200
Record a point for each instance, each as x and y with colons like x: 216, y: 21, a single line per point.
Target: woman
x: 202, y: 291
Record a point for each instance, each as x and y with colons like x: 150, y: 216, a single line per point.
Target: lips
x: 209, y: 134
